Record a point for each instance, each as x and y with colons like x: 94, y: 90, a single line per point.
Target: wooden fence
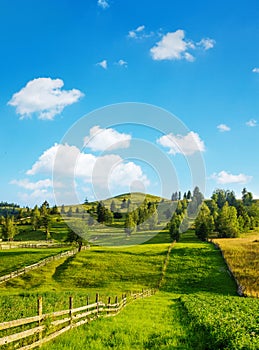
x: 41, y: 263
x: 45, y: 327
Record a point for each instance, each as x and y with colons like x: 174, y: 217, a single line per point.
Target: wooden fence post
x: 87, y: 300
x: 116, y: 302
x: 70, y: 310
x: 108, y: 305
x: 97, y: 303
x: 40, y: 316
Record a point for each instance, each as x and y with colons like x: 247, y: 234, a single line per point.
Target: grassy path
x: 152, y: 323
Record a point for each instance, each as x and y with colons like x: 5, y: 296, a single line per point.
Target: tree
x: 227, y: 222
x: 130, y: 224
x: 123, y: 204
x: 54, y: 210
x: 46, y: 223
x: 113, y: 206
x: 70, y: 212
x: 78, y: 233
x: 189, y: 195
x: 153, y: 219
x: 247, y: 197
x: 220, y: 197
x: 174, y: 226
x: 9, y: 230
x: 35, y: 218
x: 63, y: 211
x: 204, y: 223
x: 86, y: 201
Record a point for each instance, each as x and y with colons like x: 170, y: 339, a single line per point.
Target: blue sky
x: 61, y: 60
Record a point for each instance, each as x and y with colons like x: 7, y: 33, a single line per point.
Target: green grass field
x: 185, y: 314
x: 196, y: 307
x: 14, y: 259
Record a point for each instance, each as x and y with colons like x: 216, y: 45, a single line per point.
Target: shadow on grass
x: 57, y: 276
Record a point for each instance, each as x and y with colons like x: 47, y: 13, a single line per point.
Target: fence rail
x: 46, y: 327
x: 41, y: 263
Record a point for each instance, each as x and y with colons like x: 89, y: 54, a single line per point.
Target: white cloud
x: 69, y: 162
x: 224, y: 177
x: 125, y: 174
x: 103, y: 4
x: 103, y: 64
x: 45, y: 97
x: 136, y: 32
x: 223, y: 128
x: 252, y: 123
x: 122, y: 63
x: 106, y: 139
x: 28, y: 185
x: 187, y: 145
x: 255, y: 70
x: 38, y: 191
x: 174, y: 46
x: 206, y: 43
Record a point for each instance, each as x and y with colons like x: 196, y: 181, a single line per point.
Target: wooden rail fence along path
x: 41, y: 263
x: 37, y: 330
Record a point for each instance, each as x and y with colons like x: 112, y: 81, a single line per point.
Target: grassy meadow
x: 195, y: 307
x: 242, y: 255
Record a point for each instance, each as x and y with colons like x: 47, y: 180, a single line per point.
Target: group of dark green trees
x: 223, y: 214
x: 38, y: 217
x: 227, y: 216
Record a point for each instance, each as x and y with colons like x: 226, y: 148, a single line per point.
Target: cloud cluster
x: 103, y: 4
x: 136, y: 33
x: 44, y: 97
x: 68, y: 161
x: 103, y: 64
x: 255, y: 70
x: 182, y: 144
x: 252, y: 123
x: 106, y: 139
x: 223, y: 128
x: 224, y: 177
x: 174, y: 46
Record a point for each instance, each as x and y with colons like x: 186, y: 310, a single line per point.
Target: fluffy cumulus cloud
x: 174, y: 46
x: 103, y: 4
x: 125, y: 174
x: 186, y: 145
x: 69, y: 162
x: 106, y: 139
x: 103, y: 64
x: 223, y: 128
x: 44, y: 97
x: 255, y: 70
x: 252, y: 123
x: 224, y: 177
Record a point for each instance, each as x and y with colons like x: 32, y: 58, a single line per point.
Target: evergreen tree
x: 35, y: 218
x: 247, y: 197
x: 227, y: 222
x: 204, y: 223
x: 113, y: 206
x: 174, y: 227
x: 9, y: 229
x: 130, y: 224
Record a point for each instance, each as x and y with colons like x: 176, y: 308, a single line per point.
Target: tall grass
x: 242, y: 255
